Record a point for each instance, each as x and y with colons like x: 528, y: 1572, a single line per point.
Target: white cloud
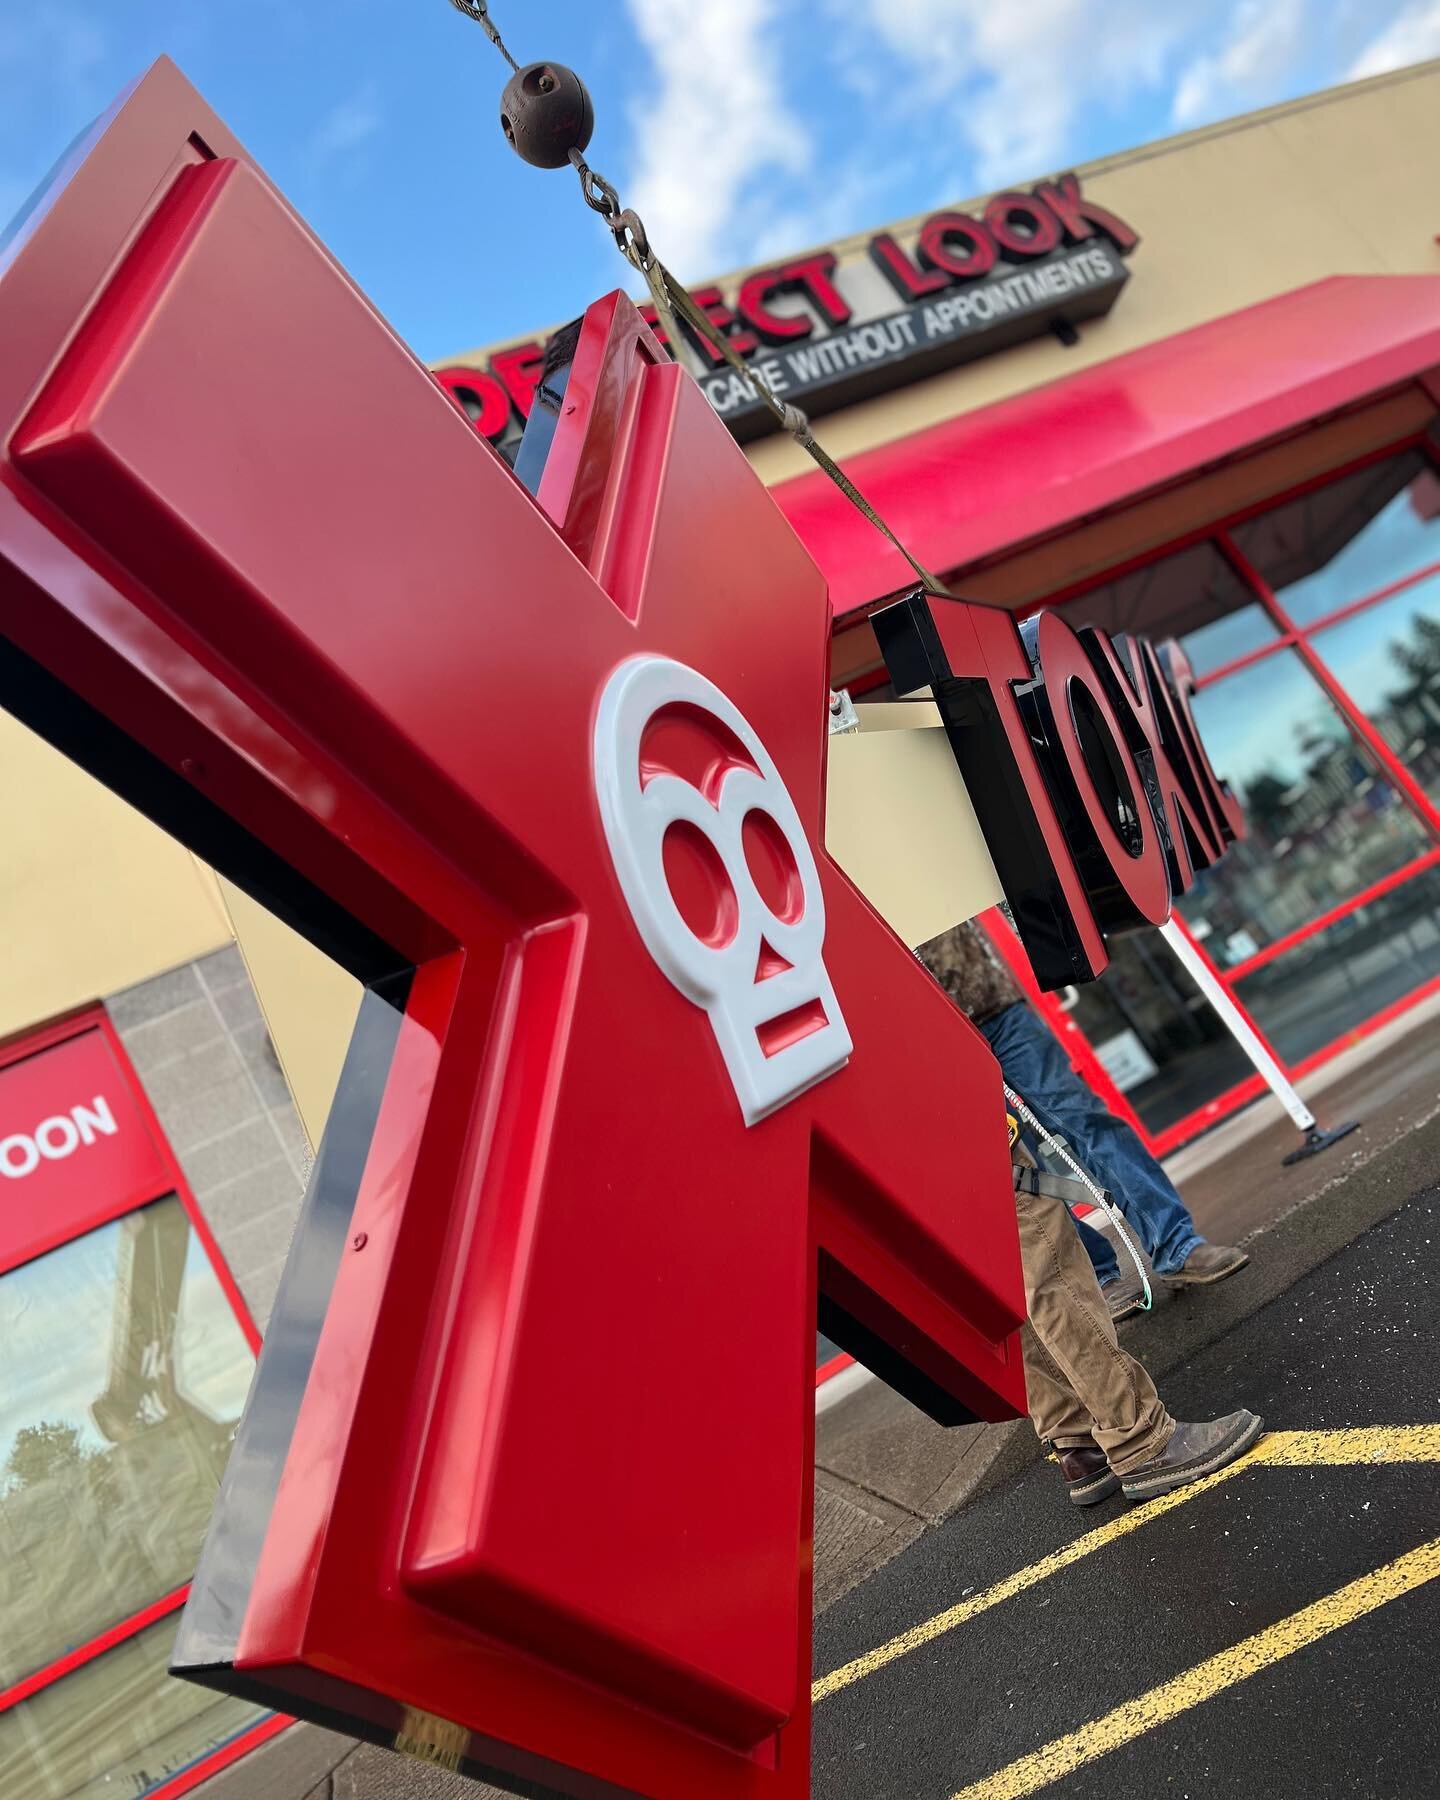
x: 725, y: 168
x: 1413, y: 36
x: 1250, y: 66
x: 346, y: 126
x: 1022, y: 77
x: 715, y: 127
x: 848, y: 196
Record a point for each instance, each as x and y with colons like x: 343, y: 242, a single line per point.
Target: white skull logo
x: 757, y: 971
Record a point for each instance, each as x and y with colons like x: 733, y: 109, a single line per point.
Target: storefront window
x: 1323, y: 822
x: 1193, y: 595
x: 1388, y: 658
x: 1349, y: 539
x: 116, y: 1726
x: 1160, y: 1042
x: 1331, y: 982
x: 126, y: 1371
x: 1226, y: 640
x: 1328, y: 811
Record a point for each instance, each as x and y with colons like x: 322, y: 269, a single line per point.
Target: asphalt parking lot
x: 1271, y: 1631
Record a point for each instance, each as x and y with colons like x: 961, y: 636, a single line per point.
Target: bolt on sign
x: 635, y: 1062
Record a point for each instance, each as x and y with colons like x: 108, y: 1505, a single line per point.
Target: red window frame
x: 169, y: 1181
x: 832, y: 1366
x: 1296, y: 638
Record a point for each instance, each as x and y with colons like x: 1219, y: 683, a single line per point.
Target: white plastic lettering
x: 767, y: 1065
x: 97, y: 1117
x: 55, y: 1138
x: 21, y: 1146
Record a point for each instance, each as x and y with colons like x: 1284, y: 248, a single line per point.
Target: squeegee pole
x: 1238, y: 1025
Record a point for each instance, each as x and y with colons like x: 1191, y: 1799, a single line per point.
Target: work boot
x: 1088, y: 1475
x: 1193, y: 1451
x: 1123, y: 1297
x: 1207, y: 1263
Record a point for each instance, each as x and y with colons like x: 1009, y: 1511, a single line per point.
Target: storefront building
x: 152, y: 1162
x: 1192, y: 389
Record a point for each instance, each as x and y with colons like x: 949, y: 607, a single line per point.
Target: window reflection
x: 1329, y: 983
x: 126, y: 1371
x: 1159, y: 1040
x: 1226, y: 640
x: 1323, y: 822
x: 1388, y: 657
x: 1194, y: 595
x: 117, y: 1726
x: 1347, y: 539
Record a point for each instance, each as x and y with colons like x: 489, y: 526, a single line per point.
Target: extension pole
x: 1240, y: 1029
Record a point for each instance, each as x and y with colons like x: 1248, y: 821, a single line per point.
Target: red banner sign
x: 74, y: 1145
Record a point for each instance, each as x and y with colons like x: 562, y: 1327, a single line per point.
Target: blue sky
x: 738, y: 128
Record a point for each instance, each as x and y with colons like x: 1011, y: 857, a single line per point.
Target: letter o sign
x: 56, y: 1138
x: 29, y: 1156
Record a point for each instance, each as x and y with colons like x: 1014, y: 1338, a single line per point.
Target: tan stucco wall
x: 309, y: 1004
x: 1339, y: 183
x: 92, y: 896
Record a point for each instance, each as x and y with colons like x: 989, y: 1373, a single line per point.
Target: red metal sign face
x: 637, y: 1063
x: 74, y: 1147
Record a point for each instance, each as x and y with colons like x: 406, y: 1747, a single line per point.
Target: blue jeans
x: 1033, y: 1063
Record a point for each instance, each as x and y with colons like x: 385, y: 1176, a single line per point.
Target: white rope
x: 1052, y: 1143
x: 1102, y: 1198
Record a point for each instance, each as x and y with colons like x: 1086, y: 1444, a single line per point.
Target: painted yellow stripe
x: 1281, y: 1449
x: 1206, y: 1679
x: 1335, y: 1449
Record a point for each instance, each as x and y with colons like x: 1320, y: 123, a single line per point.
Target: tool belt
x: 1054, y: 1187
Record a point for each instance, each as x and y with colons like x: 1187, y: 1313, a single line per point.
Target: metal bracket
x: 843, y: 716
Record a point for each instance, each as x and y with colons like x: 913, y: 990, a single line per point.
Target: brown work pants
x: 1081, y: 1384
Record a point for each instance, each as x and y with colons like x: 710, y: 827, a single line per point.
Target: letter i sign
x: 637, y: 1073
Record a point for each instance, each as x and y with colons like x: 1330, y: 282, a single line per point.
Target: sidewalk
x: 1389, y: 1081
x: 885, y: 1473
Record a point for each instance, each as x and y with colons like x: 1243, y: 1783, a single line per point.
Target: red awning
x: 990, y: 480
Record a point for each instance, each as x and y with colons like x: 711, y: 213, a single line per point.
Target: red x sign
x: 637, y: 1069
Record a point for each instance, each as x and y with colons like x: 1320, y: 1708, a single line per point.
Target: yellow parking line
x: 1064, y: 1755
x: 1280, y: 1449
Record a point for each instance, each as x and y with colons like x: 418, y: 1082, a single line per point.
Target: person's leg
x: 1033, y: 1063
x: 1082, y: 1386
x: 1101, y: 1252
x: 1095, y: 1405
x: 1103, y: 1257
x: 1123, y: 1296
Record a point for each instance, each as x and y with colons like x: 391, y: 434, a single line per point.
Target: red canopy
x: 988, y: 480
